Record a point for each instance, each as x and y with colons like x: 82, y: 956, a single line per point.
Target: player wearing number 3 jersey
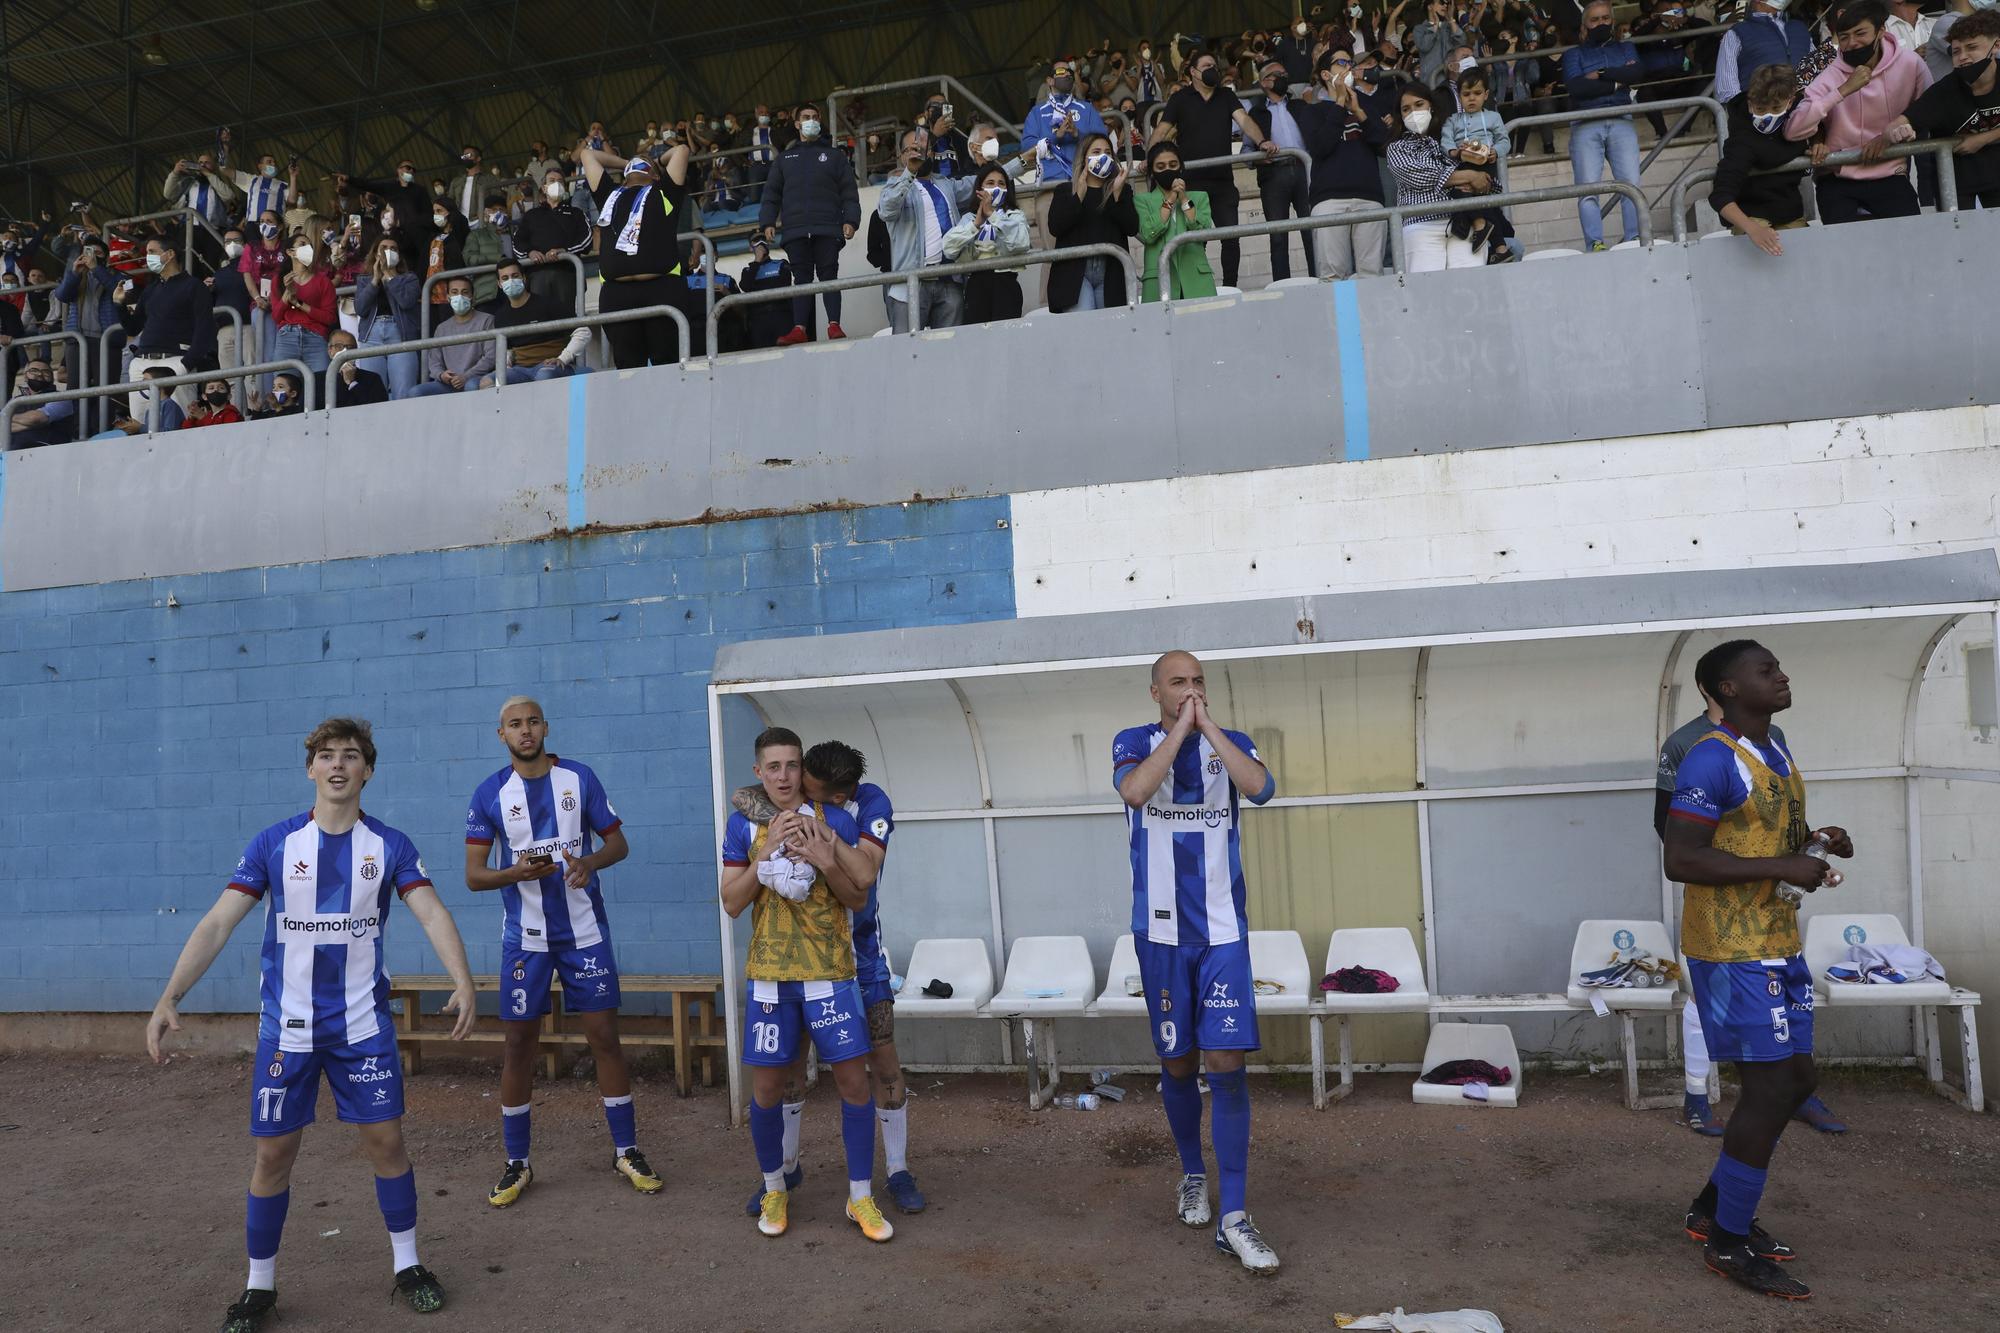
x: 1181, y: 779
x: 325, y: 878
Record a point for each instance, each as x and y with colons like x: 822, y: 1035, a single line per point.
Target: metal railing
x: 500, y: 338
x: 1243, y: 160
x: 82, y: 366
x: 190, y: 219
x: 942, y: 82
x: 1621, y: 112
x: 1543, y: 53
x: 196, y: 377
x: 1394, y: 214
x: 1947, y: 185
x: 1000, y: 263
x: 446, y: 275
x: 707, y: 247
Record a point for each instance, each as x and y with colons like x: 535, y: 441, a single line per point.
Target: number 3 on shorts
x: 1167, y: 1034
x: 764, y: 1038
x: 520, y: 1000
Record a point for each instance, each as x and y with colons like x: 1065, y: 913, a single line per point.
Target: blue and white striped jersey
x: 326, y: 902
x: 554, y: 815
x: 1187, y: 861
x: 876, y: 818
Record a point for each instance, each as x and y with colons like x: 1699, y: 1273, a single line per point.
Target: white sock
x: 857, y: 1190
x: 404, y: 1244
x: 895, y: 1137
x: 1231, y: 1219
x: 774, y: 1182
x: 263, y: 1274
x: 1694, y: 1051
x: 793, y: 1112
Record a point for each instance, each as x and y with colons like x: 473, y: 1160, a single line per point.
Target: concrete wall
x: 155, y: 725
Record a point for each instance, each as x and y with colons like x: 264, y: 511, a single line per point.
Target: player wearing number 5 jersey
x: 541, y: 812
x: 1181, y: 779
x: 325, y: 878
x: 802, y: 897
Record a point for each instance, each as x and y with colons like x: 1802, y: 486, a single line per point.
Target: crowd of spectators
x: 1411, y: 102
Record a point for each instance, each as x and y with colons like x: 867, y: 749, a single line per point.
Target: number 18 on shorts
x: 781, y: 1011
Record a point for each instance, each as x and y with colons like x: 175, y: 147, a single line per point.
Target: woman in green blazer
x: 1168, y: 209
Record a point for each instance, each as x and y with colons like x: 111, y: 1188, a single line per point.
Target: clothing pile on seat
x: 1890, y: 965
x: 1462, y: 1072
x: 1359, y: 981
x: 1632, y: 967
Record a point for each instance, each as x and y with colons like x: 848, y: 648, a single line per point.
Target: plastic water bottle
x: 1078, y: 1101
x: 1795, y: 893
x: 1103, y: 1075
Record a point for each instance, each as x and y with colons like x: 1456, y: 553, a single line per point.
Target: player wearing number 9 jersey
x: 802, y: 897
x: 1181, y: 779
x: 325, y: 878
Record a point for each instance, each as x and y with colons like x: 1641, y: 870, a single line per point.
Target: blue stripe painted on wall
x: 172, y: 733
x: 579, y: 416
x: 1353, y: 369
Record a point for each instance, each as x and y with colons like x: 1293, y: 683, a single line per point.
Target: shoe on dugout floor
x: 865, y: 1214
x: 631, y: 1164
x: 903, y: 1192
x: 1699, y: 1116
x: 1763, y: 1244
x: 514, y: 1181
x: 419, y: 1286
x: 247, y: 1315
x: 1740, y: 1265
x: 834, y: 331
x: 1816, y: 1113
x: 1191, y: 1201
x: 772, y: 1209
x: 793, y: 1179
x: 1242, y: 1239
x: 1596, y: 247
x: 794, y: 338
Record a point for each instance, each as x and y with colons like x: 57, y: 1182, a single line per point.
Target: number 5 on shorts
x: 764, y: 1038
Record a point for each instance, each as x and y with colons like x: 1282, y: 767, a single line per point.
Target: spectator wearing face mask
x: 1458, y: 61
x: 1964, y: 105
x: 353, y: 386
x: 1294, y: 51
x: 444, y: 249
x: 200, y: 185
x: 1937, y: 51
x: 232, y: 291
x: 17, y: 248
x: 811, y: 196
x: 1345, y: 142
x: 1204, y: 116
x: 540, y: 162
x: 286, y: 399
x: 920, y: 210
x: 1424, y: 174
x: 1168, y: 209
x: 1763, y: 37
x: 760, y: 138
x: 262, y: 265
x: 1151, y: 77
x: 468, y: 189
x: 172, y: 415
x: 992, y: 226
x: 1852, y: 103
x: 86, y: 293
x: 982, y: 149
x: 546, y: 232
x: 1664, y: 63
x: 640, y: 252
x: 1746, y: 194
x: 305, y: 304
x: 213, y: 407
x: 1095, y: 208
x: 951, y: 154
x: 171, y: 321
x: 487, y: 244
x: 406, y: 206
x: 386, y: 312
x: 51, y: 423
x: 459, y: 366
x: 1058, y: 124
x: 1516, y: 91
x: 546, y: 357
x: 768, y: 320
x: 265, y: 191
x: 1285, y: 183
x: 1600, y: 73
x: 1433, y: 38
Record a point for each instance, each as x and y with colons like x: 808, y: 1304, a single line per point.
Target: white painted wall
x: 1812, y: 492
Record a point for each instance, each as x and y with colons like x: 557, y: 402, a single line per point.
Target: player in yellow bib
x: 1735, y: 830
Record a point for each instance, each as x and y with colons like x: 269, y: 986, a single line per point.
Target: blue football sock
x: 857, y: 1134
x: 514, y: 1131
x: 767, y: 1136
x: 1182, y: 1098
x: 1230, y: 1130
x: 1738, y: 1189
x: 398, y: 1198
x: 618, y: 1114
x: 263, y: 1224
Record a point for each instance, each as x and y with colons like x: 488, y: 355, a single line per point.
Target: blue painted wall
x: 147, y: 743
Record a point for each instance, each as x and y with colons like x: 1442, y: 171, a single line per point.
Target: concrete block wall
x: 156, y: 724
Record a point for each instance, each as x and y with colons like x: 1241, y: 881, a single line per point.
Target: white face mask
x: 1418, y: 121
x: 440, y: 220
x: 514, y: 287
x: 233, y: 249
x: 304, y: 254
x: 460, y: 304
x: 390, y: 258
x: 809, y: 129
x: 154, y: 263
x: 553, y: 189
x: 990, y: 150
x: 405, y: 177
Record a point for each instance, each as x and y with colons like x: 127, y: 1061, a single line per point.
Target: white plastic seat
x: 1596, y: 941
x: 1626, y: 245
x: 882, y: 333
x: 1491, y: 1042
x: 1390, y: 949
x: 1112, y: 1001
x: 1045, y: 963
x: 1228, y: 291
x: 1292, y: 282
x: 1828, y: 938
x: 1038, y: 310
x: 1713, y: 235
x: 1280, y: 956
x: 961, y: 964
x: 1557, y: 252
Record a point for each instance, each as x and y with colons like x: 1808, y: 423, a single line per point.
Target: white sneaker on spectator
x: 1192, y: 1201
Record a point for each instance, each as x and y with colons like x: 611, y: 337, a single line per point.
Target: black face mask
x: 1971, y: 74
x: 216, y: 398
x: 1598, y: 35
x: 1063, y: 86
x: 37, y: 385
x: 1866, y: 55
x: 1164, y: 180
x: 1210, y: 77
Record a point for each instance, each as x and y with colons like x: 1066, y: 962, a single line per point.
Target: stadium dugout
x: 1473, y: 763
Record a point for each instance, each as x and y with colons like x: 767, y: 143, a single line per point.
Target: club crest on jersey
x: 1166, y: 1001
x: 520, y: 974
x: 569, y: 800
x: 1775, y: 986
x: 768, y: 1008
x: 369, y: 870
x: 277, y: 1069
x: 1214, y: 766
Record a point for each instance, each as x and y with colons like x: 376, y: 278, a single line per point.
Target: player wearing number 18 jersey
x: 325, y: 879
x: 1181, y: 779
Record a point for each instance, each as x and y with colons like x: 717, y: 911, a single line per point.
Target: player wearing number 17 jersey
x: 1181, y: 779
x: 325, y: 878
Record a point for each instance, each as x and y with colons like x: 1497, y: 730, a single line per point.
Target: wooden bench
x: 692, y: 1027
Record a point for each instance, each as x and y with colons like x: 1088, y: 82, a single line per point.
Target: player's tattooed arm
x: 753, y: 804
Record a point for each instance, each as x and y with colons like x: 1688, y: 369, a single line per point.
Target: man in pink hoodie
x: 1856, y: 99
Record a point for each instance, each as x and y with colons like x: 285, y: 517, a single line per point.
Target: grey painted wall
x: 1713, y: 334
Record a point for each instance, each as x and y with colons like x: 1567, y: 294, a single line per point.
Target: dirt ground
x: 127, y: 1184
